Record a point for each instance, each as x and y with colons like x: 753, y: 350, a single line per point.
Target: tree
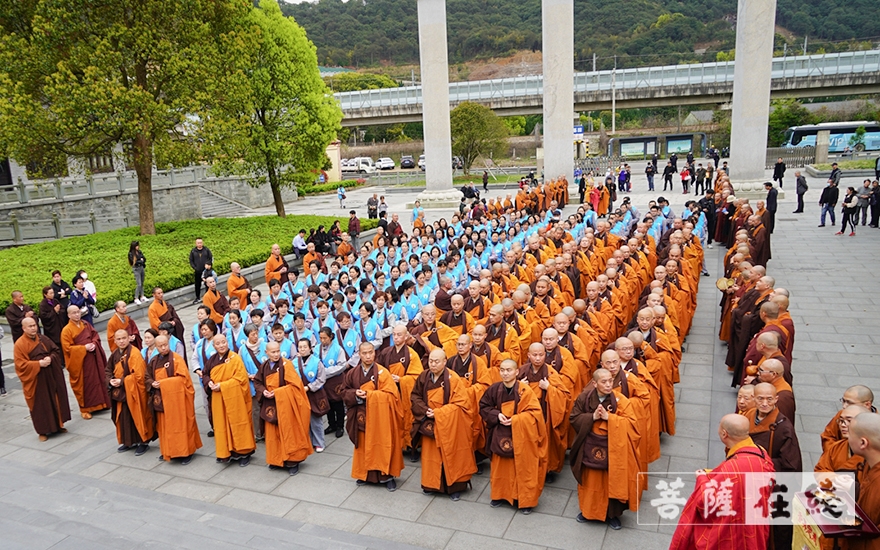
x: 857, y: 140
x: 784, y: 114
x: 78, y: 77
x: 276, y: 128
x: 476, y: 130
x: 349, y: 82
x: 515, y: 124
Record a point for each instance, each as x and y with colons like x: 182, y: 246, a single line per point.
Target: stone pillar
x: 17, y: 172
x: 434, y: 64
x: 755, y: 20
x: 557, y: 23
x: 823, y: 141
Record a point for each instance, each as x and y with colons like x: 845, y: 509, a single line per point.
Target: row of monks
x: 535, y: 373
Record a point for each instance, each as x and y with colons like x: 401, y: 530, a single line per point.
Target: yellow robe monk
x: 86, y: 368
x: 505, y: 339
x: 493, y: 358
x: 274, y: 265
x: 519, y: 451
x: 374, y: 424
x: 232, y: 407
x: 658, y: 360
x: 176, y: 422
x: 651, y: 435
x: 130, y: 401
x: 554, y: 403
x: 475, y: 377
x: 604, y: 198
x: 218, y: 305
x: 447, y: 457
x: 238, y: 287
x: 407, y: 366
x: 287, y: 438
x: 606, y: 493
x: 127, y: 324
x: 44, y: 389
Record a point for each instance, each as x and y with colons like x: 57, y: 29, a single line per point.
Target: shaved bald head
x: 733, y: 429
x: 864, y: 437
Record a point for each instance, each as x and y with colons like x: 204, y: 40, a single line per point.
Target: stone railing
x: 15, y: 231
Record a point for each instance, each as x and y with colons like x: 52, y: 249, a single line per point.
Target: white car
x: 422, y: 162
x: 385, y: 163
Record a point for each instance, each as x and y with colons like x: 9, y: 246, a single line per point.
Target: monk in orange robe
x: 606, y: 470
x: 231, y: 405
x: 405, y: 366
x: 374, y: 421
x: 85, y: 361
x: 276, y: 265
x: 474, y: 375
x: 853, y: 395
x: 285, y: 412
x: 161, y: 311
x: 442, y: 418
x: 130, y: 410
x: 215, y: 301
x: 38, y: 367
x: 120, y: 320
x: 173, y: 403
x: 554, y: 398
x: 237, y: 285
x: 865, y: 442
x: 457, y: 318
x: 625, y: 349
x: 657, y: 353
x: 503, y: 336
x: 490, y: 354
x: 517, y: 439
x: 837, y: 456
x: 431, y: 334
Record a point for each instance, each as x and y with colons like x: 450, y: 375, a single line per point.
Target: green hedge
x: 104, y: 256
x: 306, y: 190
x: 859, y: 164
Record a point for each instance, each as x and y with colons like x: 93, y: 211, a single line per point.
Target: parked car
x: 422, y: 162
x: 362, y: 165
x: 385, y: 163
x: 406, y: 161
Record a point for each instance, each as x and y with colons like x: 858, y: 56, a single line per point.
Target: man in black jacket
x: 801, y: 190
x: 779, y: 171
x: 667, y: 175
x: 771, y: 204
x: 828, y: 201
x: 198, y: 257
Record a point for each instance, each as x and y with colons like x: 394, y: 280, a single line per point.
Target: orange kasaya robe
x: 658, y: 361
x: 176, y: 423
x: 447, y: 457
x: 274, y: 265
x: 462, y: 323
x: 437, y: 337
x: 127, y: 324
x: 651, y: 434
x: 519, y: 451
x: 407, y: 366
x: 504, y: 337
x: 620, y: 481
x: 218, y: 305
x: 374, y: 424
x: 238, y: 287
x: 287, y: 440
x: 44, y: 389
x: 555, y: 401
x: 131, y: 411
x: 604, y: 197
x: 232, y: 408
x: 475, y: 376
x: 86, y: 368
x: 493, y: 358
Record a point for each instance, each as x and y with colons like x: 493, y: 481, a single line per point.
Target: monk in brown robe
x: 625, y: 349
x: 161, y: 311
x: 231, y: 406
x: 285, y: 412
x: 38, y: 367
x: 85, y: 361
x: 237, y: 285
x: 854, y: 395
x: 432, y: 334
x: 457, y: 318
x: 121, y: 321
x: 745, y: 398
x: 864, y: 440
x: 474, y: 375
x: 516, y: 437
x: 773, y: 431
x: 771, y: 372
x: 276, y: 265
x: 374, y: 421
x: 130, y: 410
x: 405, y: 366
x: 554, y: 397
x: 503, y: 336
x: 172, y: 399
x: 490, y: 353
x: 658, y: 360
x: 442, y: 418
x: 215, y: 301
x: 16, y: 314
x: 606, y: 468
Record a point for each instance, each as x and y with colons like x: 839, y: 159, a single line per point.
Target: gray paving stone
x: 136, y: 478
x: 631, y: 538
x: 425, y: 536
x: 469, y: 541
x: 328, y: 516
x: 258, y: 502
x: 693, y: 396
x: 33, y: 457
x: 254, y: 477
x: 691, y: 411
x: 203, y: 466
x: 197, y: 490
x: 98, y: 470
x: 467, y: 516
x: 556, y: 532
x: 376, y: 499
x: 18, y: 535
x: 320, y: 490
x: 147, y: 461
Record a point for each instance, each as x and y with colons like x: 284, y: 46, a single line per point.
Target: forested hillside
x: 367, y: 33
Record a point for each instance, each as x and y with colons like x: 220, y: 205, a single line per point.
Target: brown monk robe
x: 766, y: 346
x: 285, y: 412
x: 527, y: 333
x: 160, y: 311
x: 121, y: 321
x: 658, y: 360
x: 276, y: 265
x: 745, y: 399
x: 562, y: 350
x: 53, y: 315
x: 771, y: 371
x: 38, y: 366
x: 431, y: 334
x: 773, y: 431
x: 502, y: 335
x: 625, y: 349
x: 236, y: 285
x: 373, y: 421
x: 582, y: 340
x: 854, y: 395
x: 457, y: 318
x: 516, y: 437
x: 745, y: 323
x: 474, y: 375
x: 215, y: 301
x: 16, y: 313
x: 442, y: 419
x: 476, y: 304
x: 490, y: 354
x: 405, y: 366
x: 769, y: 314
x: 172, y: 398
x: 864, y: 440
x: 555, y: 398
x: 759, y: 241
x: 130, y: 409
x: 85, y: 361
x: 604, y: 455
x: 231, y: 404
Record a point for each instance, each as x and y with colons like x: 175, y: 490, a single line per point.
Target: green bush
x: 306, y: 190
x: 860, y: 164
x: 104, y: 256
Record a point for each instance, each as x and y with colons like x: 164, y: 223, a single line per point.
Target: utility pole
x: 805, y: 45
x: 614, y: 97
x: 594, y: 62
x: 412, y: 76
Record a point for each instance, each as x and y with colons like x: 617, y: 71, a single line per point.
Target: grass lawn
x: 104, y: 256
x: 860, y: 164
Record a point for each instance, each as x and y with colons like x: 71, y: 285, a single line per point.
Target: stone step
x: 218, y: 206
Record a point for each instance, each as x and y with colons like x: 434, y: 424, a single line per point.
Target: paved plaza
x: 76, y: 491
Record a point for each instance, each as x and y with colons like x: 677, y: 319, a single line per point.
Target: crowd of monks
x: 562, y: 350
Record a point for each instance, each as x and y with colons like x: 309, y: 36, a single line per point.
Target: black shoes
x: 329, y: 430
x: 821, y: 225
x: 455, y: 497
x: 244, y: 461
x: 187, y: 459
x: 551, y: 477
x: 360, y: 482
x: 210, y: 433
x: 223, y: 460
x: 496, y: 503
x: 293, y: 470
x: 581, y: 519
x: 526, y: 511
x: 614, y: 523
x: 339, y: 433
x: 3, y: 392
x: 391, y: 485
x: 123, y: 449
x: 141, y: 449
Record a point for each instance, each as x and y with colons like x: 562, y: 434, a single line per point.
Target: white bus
x: 841, y: 132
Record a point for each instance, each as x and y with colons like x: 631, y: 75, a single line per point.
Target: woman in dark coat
x: 52, y: 315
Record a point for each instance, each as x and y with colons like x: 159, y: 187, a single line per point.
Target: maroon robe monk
x: 38, y: 366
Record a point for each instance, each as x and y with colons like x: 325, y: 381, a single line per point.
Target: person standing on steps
x: 138, y: 262
x: 801, y: 189
x: 779, y: 171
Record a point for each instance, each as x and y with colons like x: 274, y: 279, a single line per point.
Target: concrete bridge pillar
x: 557, y: 22
x: 434, y: 62
x: 755, y: 20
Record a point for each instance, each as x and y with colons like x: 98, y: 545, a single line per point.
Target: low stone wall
x: 238, y: 190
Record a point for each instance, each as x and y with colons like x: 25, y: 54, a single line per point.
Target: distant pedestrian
x: 373, y: 207
x: 875, y: 204
x: 650, y: 172
x: 685, y: 180
x: 699, y: 180
x: 667, y: 175
x: 828, y: 201
x: 138, y: 262
x: 673, y: 158
x: 485, y: 180
x: 801, y: 188
x: 383, y: 206
x: 779, y: 171
x: 199, y: 257
x: 340, y: 194
x: 849, y: 211
x: 864, y: 201
x: 771, y: 204
x: 354, y: 228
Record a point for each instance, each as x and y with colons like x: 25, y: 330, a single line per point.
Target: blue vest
x: 368, y: 330
x: 204, y: 350
x: 309, y: 368
x: 331, y: 358
x: 349, y: 342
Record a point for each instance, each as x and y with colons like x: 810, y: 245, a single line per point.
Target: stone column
x: 17, y: 172
x: 435, y: 105
x: 557, y: 23
x: 755, y: 20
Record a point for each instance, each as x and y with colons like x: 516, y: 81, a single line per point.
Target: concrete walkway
x: 75, y: 491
